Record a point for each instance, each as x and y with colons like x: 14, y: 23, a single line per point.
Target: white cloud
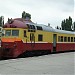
x: 42, y: 11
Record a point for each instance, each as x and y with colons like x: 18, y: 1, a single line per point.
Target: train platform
x: 53, y: 64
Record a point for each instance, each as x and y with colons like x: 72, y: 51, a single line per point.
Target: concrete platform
x: 54, y: 64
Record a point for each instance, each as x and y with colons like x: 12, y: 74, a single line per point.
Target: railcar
x: 21, y: 36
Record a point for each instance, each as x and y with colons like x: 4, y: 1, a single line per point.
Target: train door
x: 32, y: 39
x: 54, y: 42
x: 25, y: 36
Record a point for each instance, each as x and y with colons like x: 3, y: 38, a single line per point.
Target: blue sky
x: 42, y: 11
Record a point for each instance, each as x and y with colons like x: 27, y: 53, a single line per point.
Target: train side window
x: 61, y: 38
x: 65, y: 39
x: 68, y: 39
x: 25, y: 33
x: 40, y: 37
x: 71, y: 39
x: 74, y: 39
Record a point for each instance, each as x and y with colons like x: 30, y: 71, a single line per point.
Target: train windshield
x: 15, y: 32
x: 11, y: 32
x: 8, y: 33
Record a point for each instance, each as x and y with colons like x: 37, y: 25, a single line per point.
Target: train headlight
x: 6, y: 44
x: 15, y: 45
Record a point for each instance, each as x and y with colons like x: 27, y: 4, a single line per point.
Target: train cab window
x: 40, y: 37
x: 68, y: 39
x: 74, y: 39
x: 28, y: 26
x: 15, y: 32
x: 65, y: 39
x: 8, y: 33
x: 71, y: 39
x: 61, y: 38
x: 32, y: 27
x: 25, y: 33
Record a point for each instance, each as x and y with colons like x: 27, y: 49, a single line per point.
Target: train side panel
x: 41, y: 40
x: 65, y: 42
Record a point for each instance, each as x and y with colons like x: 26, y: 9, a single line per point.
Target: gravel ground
x: 53, y: 64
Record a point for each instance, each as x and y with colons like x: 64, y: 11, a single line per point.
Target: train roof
x: 22, y: 23
x: 50, y: 29
x: 17, y: 23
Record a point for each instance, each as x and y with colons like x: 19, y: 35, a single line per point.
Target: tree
x: 1, y: 20
x: 70, y: 23
x: 26, y: 15
x: 66, y: 24
x: 63, y: 25
x: 70, y: 20
x: 23, y: 14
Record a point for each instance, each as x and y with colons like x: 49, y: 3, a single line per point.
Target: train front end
x: 11, y: 43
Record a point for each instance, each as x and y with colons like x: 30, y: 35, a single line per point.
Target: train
x: 21, y: 36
